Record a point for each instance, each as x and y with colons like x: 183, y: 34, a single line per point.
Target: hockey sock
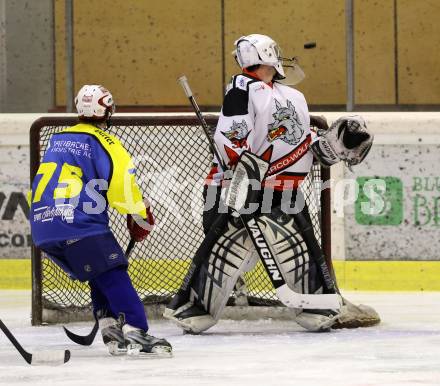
x: 100, y: 304
x: 121, y: 296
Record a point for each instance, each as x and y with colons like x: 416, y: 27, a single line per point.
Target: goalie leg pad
x: 181, y: 300
x: 305, y: 227
x: 228, y: 259
x: 215, y: 280
x: 194, y: 320
x: 296, y: 252
x: 291, y: 252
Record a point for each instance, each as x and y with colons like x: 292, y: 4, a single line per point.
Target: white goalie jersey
x: 271, y: 121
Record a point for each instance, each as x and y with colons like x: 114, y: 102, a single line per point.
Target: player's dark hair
x: 92, y: 120
x: 253, y: 67
x: 96, y: 120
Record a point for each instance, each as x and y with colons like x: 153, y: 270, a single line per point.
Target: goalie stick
x: 284, y: 293
x: 87, y: 340
x: 48, y: 357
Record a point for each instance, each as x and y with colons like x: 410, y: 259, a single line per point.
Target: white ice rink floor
x: 403, y: 350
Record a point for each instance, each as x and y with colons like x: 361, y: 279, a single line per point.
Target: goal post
x: 172, y: 158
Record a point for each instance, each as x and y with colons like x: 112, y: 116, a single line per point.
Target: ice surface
x: 403, y: 350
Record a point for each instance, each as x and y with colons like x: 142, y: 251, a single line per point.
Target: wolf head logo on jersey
x: 238, y: 133
x: 286, y: 126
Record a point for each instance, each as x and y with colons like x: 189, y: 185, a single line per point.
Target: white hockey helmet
x: 259, y: 49
x: 94, y: 102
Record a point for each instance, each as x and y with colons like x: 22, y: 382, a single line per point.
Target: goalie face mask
x: 294, y: 73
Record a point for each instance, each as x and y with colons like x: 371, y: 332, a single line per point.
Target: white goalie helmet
x: 261, y: 49
x: 94, y: 102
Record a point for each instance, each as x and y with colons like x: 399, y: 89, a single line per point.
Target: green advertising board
x: 396, y: 211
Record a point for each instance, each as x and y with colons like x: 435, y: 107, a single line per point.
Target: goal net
x: 172, y: 158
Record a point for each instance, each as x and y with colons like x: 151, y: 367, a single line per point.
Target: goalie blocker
x: 289, y: 252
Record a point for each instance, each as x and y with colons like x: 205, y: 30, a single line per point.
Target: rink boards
x: 352, y: 275
x: 408, y: 234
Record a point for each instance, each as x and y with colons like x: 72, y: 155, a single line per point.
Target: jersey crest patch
x: 287, y: 126
x: 238, y: 134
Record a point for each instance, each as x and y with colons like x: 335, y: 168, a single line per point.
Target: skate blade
x: 115, y: 350
x: 134, y: 351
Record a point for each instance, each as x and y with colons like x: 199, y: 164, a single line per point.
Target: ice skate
x: 140, y: 344
x: 111, y: 331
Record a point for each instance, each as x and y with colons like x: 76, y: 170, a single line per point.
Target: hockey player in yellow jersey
x: 83, y: 171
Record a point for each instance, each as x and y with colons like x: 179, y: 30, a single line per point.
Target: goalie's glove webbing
x: 347, y: 139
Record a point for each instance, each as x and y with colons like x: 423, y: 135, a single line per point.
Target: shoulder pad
x: 237, y: 97
x: 242, y: 82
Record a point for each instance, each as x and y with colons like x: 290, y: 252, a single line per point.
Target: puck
x: 309, y: 45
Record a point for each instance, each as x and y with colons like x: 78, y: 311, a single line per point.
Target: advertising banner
x: 15, y: 239
x: 396, y: 211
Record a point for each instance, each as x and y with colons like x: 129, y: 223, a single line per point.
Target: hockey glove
x: 347, y: 139
x: 138, y: 227
x: 245, y: 185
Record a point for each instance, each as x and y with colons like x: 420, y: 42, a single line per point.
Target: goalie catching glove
x: 138, y: 227
x: 347, y: 139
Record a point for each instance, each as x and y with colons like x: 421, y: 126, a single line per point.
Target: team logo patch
x: 286, y: 126
x: 238, y: 134
x: 72, y: 241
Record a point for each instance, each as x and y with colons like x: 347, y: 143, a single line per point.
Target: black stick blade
x: 83, y: 340
x: 88, y: 339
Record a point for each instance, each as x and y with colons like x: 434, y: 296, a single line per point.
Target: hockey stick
x: 48, y: 357
x: 87, y: 340
x: 284, y: 293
